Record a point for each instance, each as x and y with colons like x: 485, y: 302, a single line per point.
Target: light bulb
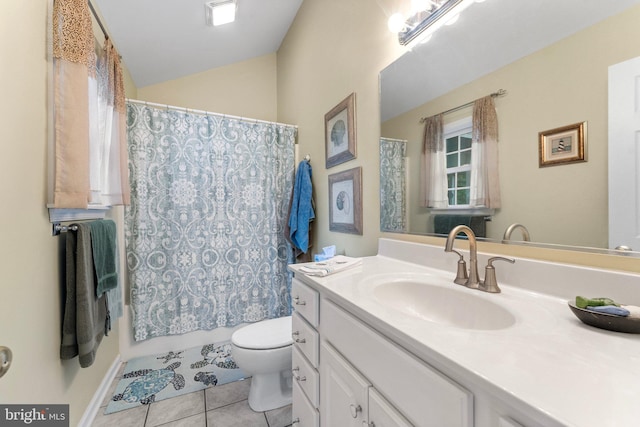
x: 396, y: 23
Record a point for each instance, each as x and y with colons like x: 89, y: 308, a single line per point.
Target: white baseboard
x: 98, y: 397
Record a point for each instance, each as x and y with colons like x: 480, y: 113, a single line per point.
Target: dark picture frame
x: 340, y: 134
x: 345, y: 201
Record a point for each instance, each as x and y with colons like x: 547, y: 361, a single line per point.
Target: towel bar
x: 58, y: 228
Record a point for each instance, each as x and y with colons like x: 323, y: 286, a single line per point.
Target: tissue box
x: 327, y: 252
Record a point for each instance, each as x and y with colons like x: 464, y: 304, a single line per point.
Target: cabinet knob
x: 297, y: 301
x: 296, y: 376
x: 354, y: 410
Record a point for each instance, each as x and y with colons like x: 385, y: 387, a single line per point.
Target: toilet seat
x: 264, y: 335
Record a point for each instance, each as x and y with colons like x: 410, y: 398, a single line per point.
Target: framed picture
x: 562, y: 145
x: 340, y: 134
x: 345, y: 201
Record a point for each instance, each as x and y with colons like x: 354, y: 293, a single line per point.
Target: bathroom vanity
x: 394, y: 342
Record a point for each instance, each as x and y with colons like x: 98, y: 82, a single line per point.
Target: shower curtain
x: 205, y: 237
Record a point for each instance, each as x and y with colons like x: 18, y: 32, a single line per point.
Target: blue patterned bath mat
x: 152, y: 378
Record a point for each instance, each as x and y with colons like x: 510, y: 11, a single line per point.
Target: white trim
x: 98, y: 397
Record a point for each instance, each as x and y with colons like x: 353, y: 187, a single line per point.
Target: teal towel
x: 103, y: 244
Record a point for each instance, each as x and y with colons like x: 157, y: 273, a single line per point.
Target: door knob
x: 5, y: 360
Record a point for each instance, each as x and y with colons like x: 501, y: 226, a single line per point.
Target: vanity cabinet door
x: 343, y: 391
x: 382, y: 414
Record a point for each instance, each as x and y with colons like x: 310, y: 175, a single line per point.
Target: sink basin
x: 451, y: 306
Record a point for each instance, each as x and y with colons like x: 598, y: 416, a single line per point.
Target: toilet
x: 263, y: 350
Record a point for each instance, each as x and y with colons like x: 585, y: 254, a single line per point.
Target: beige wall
x: 30, y: 285
x: 334, y: 48
x: 562, y: 204
x: 246, y: 89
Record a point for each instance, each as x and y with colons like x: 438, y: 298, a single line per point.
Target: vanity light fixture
x: 220, y: 12
x: 427, y: 16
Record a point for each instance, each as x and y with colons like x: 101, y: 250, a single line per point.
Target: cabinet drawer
x: 305, y: 338
x: 425, y: 396
x: 305, y: 301
x: 306, y: 376
x: 303, y: 414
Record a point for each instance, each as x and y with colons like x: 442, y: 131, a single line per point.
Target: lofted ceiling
x: 488, y: 36
x: 167, y: 39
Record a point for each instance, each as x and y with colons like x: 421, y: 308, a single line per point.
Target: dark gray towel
x: 103, y: 243
x: 84, y: 314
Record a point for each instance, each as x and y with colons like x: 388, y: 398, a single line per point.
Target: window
x: 458, y: 162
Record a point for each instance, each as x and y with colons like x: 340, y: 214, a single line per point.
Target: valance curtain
x: 433, y: 176
x: 485, y: 183
x: 90, y: 163
x: 206, y: 245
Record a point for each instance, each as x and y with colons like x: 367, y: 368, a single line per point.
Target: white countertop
x: 575, y: 374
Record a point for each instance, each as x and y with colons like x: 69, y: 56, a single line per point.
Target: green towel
x: 582, y: 302
x: 103, y: 244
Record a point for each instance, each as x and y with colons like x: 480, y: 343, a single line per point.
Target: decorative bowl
x: 610, y: 322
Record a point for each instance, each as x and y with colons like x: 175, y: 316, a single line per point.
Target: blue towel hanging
x: 301, y: 207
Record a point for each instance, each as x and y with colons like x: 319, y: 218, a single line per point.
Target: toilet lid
x: 267, y: 334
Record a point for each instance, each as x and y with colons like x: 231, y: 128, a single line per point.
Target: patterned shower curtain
x: 393, y: 185
x: 205, y: 237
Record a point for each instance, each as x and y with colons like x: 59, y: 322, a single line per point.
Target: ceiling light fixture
x: 220, y: 12
x: 428, y: 16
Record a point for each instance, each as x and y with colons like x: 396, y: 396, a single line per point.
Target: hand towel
x: 103, y: 243
x: 85, y: 314
x: 583, y: 302
x: 301, y: 207
x: 609, y: 309
x: 331, y: 266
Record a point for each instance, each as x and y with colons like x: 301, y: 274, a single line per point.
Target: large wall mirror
x: 552, y: 59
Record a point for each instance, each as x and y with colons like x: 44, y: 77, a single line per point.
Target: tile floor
x: 219, y: 406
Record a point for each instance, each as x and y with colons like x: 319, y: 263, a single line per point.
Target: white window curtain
x: 485, y: 183
x: 433, y: 177
x: 108, y: 155
x: 90, y: 156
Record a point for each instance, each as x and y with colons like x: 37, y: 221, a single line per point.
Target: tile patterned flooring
x: 220, y: 406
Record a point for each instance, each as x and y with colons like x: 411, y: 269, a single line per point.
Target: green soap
x: 583, y: 302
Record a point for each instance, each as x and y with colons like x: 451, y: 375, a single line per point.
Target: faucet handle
x: 490, y: 281
x: 461, y: 275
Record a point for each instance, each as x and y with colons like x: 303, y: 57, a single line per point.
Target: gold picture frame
x: 345, y: 201
x: 340, y: 134
x: 562, y: 145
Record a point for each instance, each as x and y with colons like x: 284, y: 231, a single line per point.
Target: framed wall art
x: 345, y: 201
x: 340, y: 134
x: 562, y: 145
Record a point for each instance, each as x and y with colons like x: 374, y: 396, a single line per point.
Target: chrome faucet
x: 472, y: 280
x: 512, y: 228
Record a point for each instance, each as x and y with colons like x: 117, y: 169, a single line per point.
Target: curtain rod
x: 500, y: 92
x: 205, y: 113
x: 95, y: 15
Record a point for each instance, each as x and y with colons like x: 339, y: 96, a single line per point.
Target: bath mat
x: 152, y: 378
